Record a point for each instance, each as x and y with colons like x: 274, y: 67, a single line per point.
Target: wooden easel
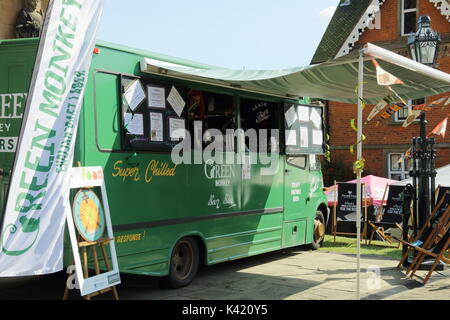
x: 84, y: 245
x: 78, y: 242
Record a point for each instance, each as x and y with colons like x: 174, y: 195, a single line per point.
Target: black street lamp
x: 424, y: 48
x: 424, y: 44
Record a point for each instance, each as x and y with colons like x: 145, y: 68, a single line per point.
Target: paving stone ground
x: 293, y: 274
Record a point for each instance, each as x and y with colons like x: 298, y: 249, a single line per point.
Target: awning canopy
x: 334, y: 80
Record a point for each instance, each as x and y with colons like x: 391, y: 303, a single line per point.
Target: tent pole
x: 358, y: 171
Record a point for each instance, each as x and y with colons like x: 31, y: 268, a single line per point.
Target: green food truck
x: 168, y: 218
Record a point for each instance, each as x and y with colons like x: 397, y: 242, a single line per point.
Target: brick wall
x: 388, y: 136
x: 8, y: 14
x: 390, y: 22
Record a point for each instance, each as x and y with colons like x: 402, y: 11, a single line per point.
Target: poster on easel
x: 89, y: 220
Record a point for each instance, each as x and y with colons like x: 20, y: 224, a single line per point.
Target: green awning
x: 334, y: 80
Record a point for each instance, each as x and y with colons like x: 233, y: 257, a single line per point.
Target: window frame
x: 409, y: 106
x: 403, y: 12
x: 403, y: 172
x: 130, y: 144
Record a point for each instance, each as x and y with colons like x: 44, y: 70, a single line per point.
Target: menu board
x: 394, y: 205
x: 346, y: 201
x: 304, y: 129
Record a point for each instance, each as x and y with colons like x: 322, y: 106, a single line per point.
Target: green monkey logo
x: 28, y: 225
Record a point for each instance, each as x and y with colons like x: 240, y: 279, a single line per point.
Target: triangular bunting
x: 412, y: 116
x: 384, y: 78
x: 440, y: 128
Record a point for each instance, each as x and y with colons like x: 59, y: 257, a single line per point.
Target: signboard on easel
x: 88, y: 218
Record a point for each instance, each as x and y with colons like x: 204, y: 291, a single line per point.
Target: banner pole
x: 359, y: 171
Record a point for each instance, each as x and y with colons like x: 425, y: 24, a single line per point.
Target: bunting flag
x: 446, y: 103
x: 384, y: 78
x: 389, y: 112
x: 412, y: 116
x: 427, y: 107
x: 421, y: 107
x: 379, y: 107
x: 406, y: 154
x: 438, y: 102
x: 396, y: 95
x: 440, y: 128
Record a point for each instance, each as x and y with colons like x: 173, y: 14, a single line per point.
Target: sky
x: 235, y: 34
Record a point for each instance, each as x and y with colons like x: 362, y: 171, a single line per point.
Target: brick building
x: 8, y: 14
x: 386, y: 23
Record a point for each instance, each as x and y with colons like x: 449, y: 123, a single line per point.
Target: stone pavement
x: 293, y: 274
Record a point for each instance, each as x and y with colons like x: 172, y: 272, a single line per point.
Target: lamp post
x: 424, y: 47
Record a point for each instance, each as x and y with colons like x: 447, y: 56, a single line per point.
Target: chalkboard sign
x: 394, y: 206
x: 304, y: 130
x: 346, y: 201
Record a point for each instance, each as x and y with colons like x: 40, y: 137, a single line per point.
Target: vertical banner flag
x: 33, y: 226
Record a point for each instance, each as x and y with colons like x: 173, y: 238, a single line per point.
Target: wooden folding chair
x: 348, y: 216
x: 427, y: 236
x: 440, y: 192
x: 389, y: 216
x: 437, y: 253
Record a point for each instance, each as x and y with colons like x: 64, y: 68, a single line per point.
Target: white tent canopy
x: 442, y: 177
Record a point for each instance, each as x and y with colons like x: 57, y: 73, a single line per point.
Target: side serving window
x: 210, y: 115
x: 153, y: 114
x: 260, y: 117
x: 304, y: 132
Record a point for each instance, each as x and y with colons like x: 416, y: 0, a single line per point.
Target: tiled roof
x: 341, y: 25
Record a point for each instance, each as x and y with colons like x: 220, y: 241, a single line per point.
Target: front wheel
x: 184, y: 263
x: 319, y: 231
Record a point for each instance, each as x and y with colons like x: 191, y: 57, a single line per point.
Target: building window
x: 409, y: 17
x: 403, y: 113
x: 399, y: 166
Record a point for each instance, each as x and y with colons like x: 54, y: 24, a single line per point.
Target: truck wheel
x: 319, y: 231
x: 183, y: 264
